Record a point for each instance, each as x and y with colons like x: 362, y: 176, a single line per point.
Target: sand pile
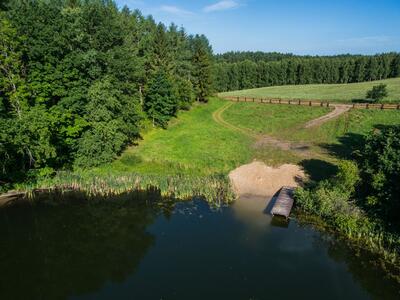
x: 258, y: 179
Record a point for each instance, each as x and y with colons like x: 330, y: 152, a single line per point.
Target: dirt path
x: 339, y: 110
x: 217, y: 116
x: 255, y: 182
x: 261, y: 140
x: 301, y: 149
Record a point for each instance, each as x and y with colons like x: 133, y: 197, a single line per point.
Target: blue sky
x: 297, y: 26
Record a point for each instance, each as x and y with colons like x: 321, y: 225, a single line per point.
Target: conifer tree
x: 161, y: 100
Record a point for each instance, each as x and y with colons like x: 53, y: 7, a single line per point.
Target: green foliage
x: 379, y: 162
x: 72, y: 75
x: 332, y: 200
x: 161, y: 101
x: 185, y: 93
x: 331, y: 197
x: 248, y: 70
x: 202, y: 69
x: 377, y: 93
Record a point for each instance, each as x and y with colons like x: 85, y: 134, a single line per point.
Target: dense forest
x: 79, y: 78
x: 246, y: 70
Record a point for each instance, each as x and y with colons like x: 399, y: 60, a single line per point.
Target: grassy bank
x: 196, y: 149
x: 334, y: 202
x: 194, y: 144
x: 326, y: 92
x: 215, y: 189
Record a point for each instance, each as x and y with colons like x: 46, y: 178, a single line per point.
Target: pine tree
x: 161, y: 99
x: 202, y: 72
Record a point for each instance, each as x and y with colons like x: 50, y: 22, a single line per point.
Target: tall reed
x: 215, y: 189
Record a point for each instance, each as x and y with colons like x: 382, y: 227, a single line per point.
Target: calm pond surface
x: 136, y: 249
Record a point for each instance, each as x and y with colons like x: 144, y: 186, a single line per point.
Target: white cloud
x: 175, y: 10
x: 222, y: 5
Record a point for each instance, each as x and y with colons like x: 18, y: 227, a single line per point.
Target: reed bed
x: 214, y: 189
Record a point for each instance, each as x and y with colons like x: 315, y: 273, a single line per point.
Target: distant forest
x: 79, y: 78
x: 246, y: 70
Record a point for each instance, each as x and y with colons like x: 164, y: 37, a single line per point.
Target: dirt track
x: 259, y: 180
x: 261, y: 140
x: 339, y: 110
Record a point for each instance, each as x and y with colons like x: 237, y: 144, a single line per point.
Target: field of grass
x: 286, y: 122
x: 197, y: 152
x: 196, y: 145
x: 326, y: 92
x: 193, y: 144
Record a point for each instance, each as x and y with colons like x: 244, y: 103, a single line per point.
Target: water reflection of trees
x: 364, y: 267
x: 64, y: 250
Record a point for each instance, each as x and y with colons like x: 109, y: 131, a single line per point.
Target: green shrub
x: 377, y: 93
x: 379, y: 163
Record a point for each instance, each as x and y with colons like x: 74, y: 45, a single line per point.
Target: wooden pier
x: 284, y: 202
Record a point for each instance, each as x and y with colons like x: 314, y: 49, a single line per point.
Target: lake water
x: 137, y: 249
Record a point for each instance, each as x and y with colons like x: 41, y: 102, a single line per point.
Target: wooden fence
x: 312, y: 102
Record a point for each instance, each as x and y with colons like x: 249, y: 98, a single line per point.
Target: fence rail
x: 312, y: 102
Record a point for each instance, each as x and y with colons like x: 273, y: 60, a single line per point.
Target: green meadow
x: 197, y: 151
x: 326, y: 92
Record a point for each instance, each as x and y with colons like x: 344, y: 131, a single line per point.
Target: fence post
x: 398, y: 106
x: 310, y: 103
x: 327, y: 104
x: 382, y: 105
x: 253, y: 100
x: 280, y: 100
x: 367, y: 106
x: 237, y: 99
x: 299, y: 102
x: 270, y: 100
x: 290, y: 101
x: 354, y: 105
x: 322, y: 103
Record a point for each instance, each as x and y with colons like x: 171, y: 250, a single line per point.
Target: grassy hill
x: 327, y: 92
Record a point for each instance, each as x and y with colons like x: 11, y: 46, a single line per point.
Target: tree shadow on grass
x: 317, y: 169
x: 346, y: 147
x: 362, y: 101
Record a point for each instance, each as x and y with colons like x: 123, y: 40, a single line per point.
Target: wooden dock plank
x: 284, y: 202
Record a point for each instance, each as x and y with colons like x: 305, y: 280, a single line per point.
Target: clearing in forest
x: 218, y: 137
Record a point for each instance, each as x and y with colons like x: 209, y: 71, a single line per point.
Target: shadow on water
x: 54, y: 251
x: 280, y: 222
x: 101, y: 250
x: 360, y: 264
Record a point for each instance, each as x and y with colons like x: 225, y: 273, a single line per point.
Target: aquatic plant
x: 215, y: 189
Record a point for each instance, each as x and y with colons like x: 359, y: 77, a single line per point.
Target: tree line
x: 246, y: 70
x: 79, y: 78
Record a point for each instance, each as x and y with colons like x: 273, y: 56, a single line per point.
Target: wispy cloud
x: 222, y: 5
x: 176, y: 10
